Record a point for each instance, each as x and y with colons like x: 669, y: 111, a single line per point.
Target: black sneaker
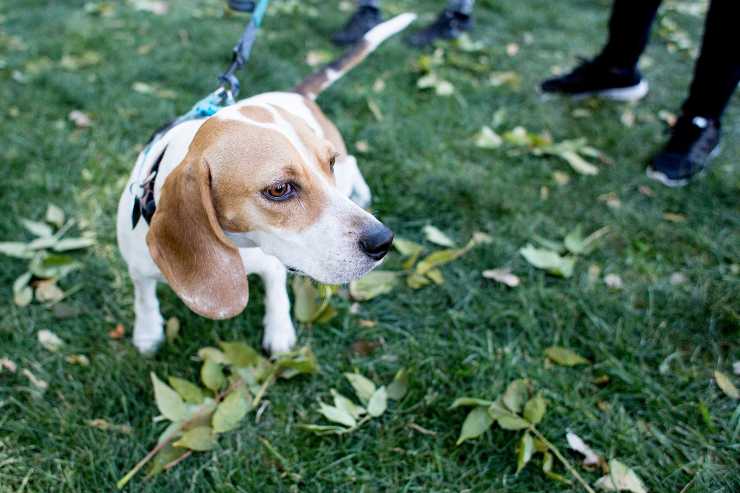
x: 448, y: 25
x: 694, y: 142
x: 598, y: 78
x: 364, y: 19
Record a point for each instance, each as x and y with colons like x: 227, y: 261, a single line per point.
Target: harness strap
x: 144, y: 204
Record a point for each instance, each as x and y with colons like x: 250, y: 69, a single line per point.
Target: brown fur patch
x: 245, y: 159
x: 321, y: 148
x: 260, y: 115
x: 330, y: 130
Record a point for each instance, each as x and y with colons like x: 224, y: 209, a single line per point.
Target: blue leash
x: 228, y: 89
x: 224, y: 95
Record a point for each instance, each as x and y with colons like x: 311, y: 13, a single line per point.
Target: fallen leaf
x: 191, y: 393
x: 674, y: 217
x: 561, y: 178
x: 35, y: 381
x: 579, y: 164
x: 646, y: 191
x: 102, y: 424
x: 565, y: 357
x: 475, y: 424
x: 48, y: 291
x: 613, y: 281
x: 169, y: 402
x: 239, y: 354
x: 364, y: 347
x: 373, y: 284
x: 67, y: 244
x: 512, y: 49
x: 502, y: 275
x: 378, y: 85
x: 78, y: 359
x: 620, y: 478
x: 343, y: 403
x: 337, y: 415
x: 378, y: 402
x: 362, y: 146
x: 724, y: 383
x: 37, y: 229
x: 678, y: 278
x: 212, y: 354
x: 525, y: 451
x: 54, y: 215
x: 118, y: 332
x: 49, y: 340
x: 15, y: 249
x: 470, y: 401
x: 628, y: 118
x: 547, y: 462
x: 432, y: 81
x: 590, y: 458
x: 364, y: 387
x: 534, y: 409
x: 486, y: 138
x: 465, y: 43
x: 172, y: 329
x: 229, y: 412
x: 515, y: 395
x: 80, y: 119
x: 200, y: 439
x: 611, y: 200
x: 212, y: 375
x: 152, y: 6
x: 399, y: 386
x: 8, y: 365
x: 549, y: 261
x: 508, y: 78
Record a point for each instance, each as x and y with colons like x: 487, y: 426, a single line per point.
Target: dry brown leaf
x: 590, y: 458
x: 35, y: 381
x: 118, y: 332
x: 674, y: 217
x: 646, y: 191
x: 364, y: 347
x: 49, y: 340
x: 8, y: 365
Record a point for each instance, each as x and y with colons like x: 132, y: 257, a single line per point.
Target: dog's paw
x: 279, y: 335
x: 148, y: 335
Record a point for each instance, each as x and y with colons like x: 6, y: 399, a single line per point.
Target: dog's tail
x: 315, y: 83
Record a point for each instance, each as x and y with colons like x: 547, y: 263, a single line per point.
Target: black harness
x: 144, y: 204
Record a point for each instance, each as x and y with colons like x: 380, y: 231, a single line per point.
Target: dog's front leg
x: 279, y: 335
x: 148, y: 333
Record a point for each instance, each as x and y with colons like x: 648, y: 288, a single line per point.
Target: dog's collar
x: 144, y: 204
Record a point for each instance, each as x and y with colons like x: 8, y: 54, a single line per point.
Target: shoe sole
x: 661, y: 177
x: 624, y: 94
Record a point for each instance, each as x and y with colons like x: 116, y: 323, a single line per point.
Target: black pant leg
x: 629, y: 31
x: 717, y: 71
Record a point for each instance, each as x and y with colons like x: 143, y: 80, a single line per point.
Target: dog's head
x: 259, y: 178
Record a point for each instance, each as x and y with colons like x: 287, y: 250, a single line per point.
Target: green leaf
x: 56, y: 266
x: 43, y: 243
x: 407, y: 248
x: 165, y: 456
x: 512, y: 423
x: 212, y: 354
x: 516, y: 395
x: 565, y: 357
x: 578, y: 245
x: 535, y: 409
x: 199, y: 439
x: 620, y: 478
x: 169, y: 403
x: 37, y: 229
x: 525, y: 451
x: 549, y: 261
x: 416, y: 281
x: 239, y: 354
x: 324, y: 429
x: 305, y: 294
x: 476, y: 423
x: 373, y: 284
x: 439, y: 258
x: 298, y: 362
x: 436, y: 276
x: 337, y: 415
x: 190, y: 392
x: 21, y: 282
x: 54, y: 215
x: 343, y: 403
x: 436, y: 236
x: 67, y: 244
x: 23, y: 297
x: 724, y: 383
x: 212, y: 375
x: 378, y: 402
x: 579, y: 164
x: 547, y: 462
x: 230, y: 412
x: 399, y: 386
x: 15, y: 249
x: 172, y: 329
x: 469, y: 401
x: 555, y: 246
x: 486, y: 138
x: 364, y: 388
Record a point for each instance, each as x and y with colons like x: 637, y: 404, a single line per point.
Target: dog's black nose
x: 376, y: 242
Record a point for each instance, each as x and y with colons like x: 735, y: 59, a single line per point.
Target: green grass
x: 467, y: 337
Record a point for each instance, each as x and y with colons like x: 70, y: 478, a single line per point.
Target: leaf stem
x: 263, y: 388
x: 178, y: 460
x: 562, y: 459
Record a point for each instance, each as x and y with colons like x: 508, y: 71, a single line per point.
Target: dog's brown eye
x: 332, y: 162
x: 279, y: 191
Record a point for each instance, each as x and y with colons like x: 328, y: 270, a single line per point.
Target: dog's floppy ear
x: 190, y: 248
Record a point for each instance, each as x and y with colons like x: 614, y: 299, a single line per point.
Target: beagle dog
x: 264, y: 186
